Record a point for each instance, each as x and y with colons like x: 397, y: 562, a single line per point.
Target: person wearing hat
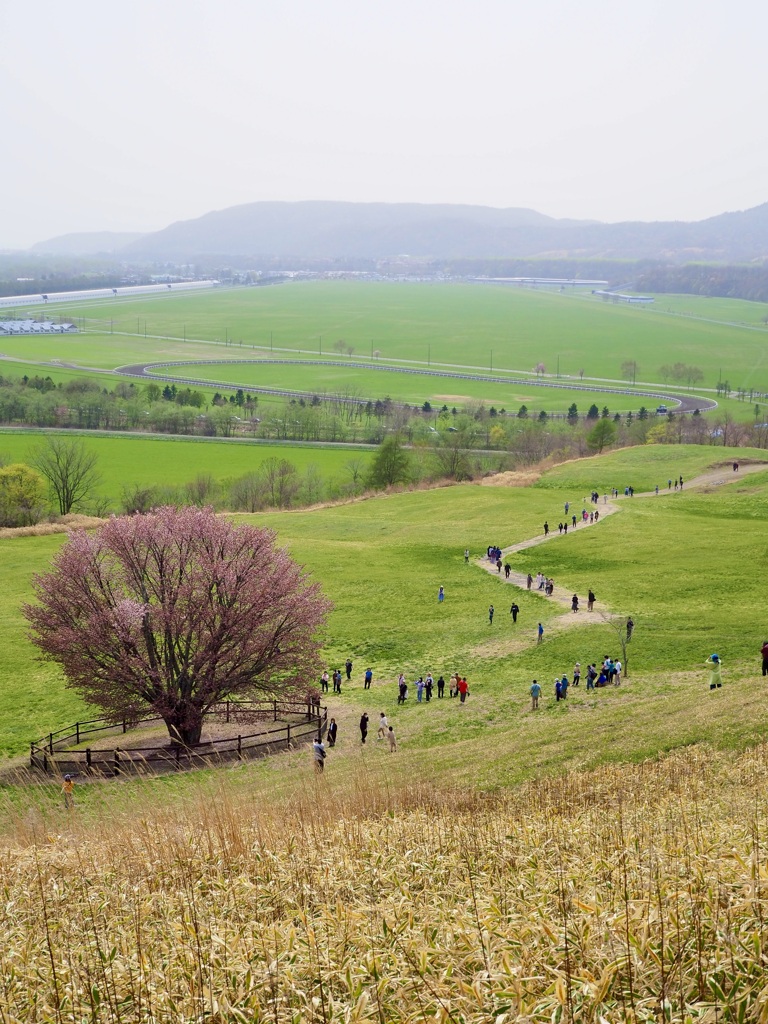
x: 68, y: 789
x: 715, y: 671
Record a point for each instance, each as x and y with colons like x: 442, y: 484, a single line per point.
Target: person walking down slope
x: 540, y: 632
x: 466, y: 556
x: 441, y: 595
x: 529, y: 581
x: 368, y: 678
x: 363, y: 726
x: 318, y: 756
x: 764, y: 654
x: 575, y: 603
x: 383, y: 727
x: 490, y: 615
x: 463, y: 689
x: 546, y: 529
x: 68, y: 789
x: 348, y: 667
x: 391, y: 740
x: 535, y: 694
x: 514, y: 611
x: 590, y: 601
x: 715, y: 671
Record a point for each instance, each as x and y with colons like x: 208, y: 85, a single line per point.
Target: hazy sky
x: 130, y: 116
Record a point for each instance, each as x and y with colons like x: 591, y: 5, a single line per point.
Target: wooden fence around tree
x: 267, y: 727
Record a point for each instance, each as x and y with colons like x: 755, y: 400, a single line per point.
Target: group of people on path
x: 608, y: 674
x: 336, y: 677
x: 386, y: 732
x: 425, y: 687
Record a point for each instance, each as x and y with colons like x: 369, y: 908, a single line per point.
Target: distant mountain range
x: 330, y: 230
x: 87, y: 243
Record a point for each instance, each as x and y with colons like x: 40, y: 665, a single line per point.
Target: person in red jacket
x: 463, y: 689
x: 764, y: 652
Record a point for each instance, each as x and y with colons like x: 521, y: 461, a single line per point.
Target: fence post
x: 125, y: 727
x: 288, y: 732
x: 227, y: 711
x: 239, y: 744
x: 274, y: 702
x: 88, y: 757
x: 50, y: 742
x: 77, y: 732
x: 117, y: 760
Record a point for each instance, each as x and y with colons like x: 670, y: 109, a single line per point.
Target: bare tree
x: 70, y: 470
x: 623, y: 630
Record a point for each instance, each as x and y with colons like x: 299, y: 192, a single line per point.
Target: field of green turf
x: 151, y: 460
x: 409, y: 387
x: 688, y: 567
x: 467, y: 325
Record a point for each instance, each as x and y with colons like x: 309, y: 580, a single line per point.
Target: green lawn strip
x: 150, y: 460
x: 642, y: 467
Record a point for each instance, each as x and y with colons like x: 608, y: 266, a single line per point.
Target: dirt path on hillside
x: 705, y: 481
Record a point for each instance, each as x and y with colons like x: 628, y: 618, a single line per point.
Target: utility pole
x: 429, y: 355
x: 491, y: 360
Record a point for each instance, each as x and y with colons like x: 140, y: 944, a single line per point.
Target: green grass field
x: 669, y: 561
x: 464, y: 325
x: 151, y: 460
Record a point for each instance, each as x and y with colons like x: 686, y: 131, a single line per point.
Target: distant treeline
x: 728, y: 282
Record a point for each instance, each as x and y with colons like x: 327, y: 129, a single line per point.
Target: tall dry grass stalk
x: 629, y: 893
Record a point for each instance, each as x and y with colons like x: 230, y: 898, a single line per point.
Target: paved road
x: 681, y: 403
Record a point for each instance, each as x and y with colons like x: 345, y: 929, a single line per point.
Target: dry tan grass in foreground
x: 633, y: 893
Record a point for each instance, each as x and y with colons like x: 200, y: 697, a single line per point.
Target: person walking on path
x: 440, y: 687
x: 507, y: 569
x: 68, y: 789
x: 441, y: 595
x: 681, y: 483
x: 573, y: 520
x: 529, y: 581
x: 764, y: 655
x: 590, y: 601
x: 324, y: 682
x: 348, y: 667
x: 318, y: 756
x: 368, y: 679
x: 575, y: 603
x: 540, y: 632
x: 463, y: 689
x: 337, y: 681
x: 391, y: 740
x: 363, y: 726
x: 535, y: 694
x: 383, y: 727
x: 715, y: 671
x: 332, y: 732
x: 514, y: 611
x: 490, y: 615
x: 546, y: 529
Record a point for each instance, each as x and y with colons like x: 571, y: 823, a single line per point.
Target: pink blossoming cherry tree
x: 175, y: 610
